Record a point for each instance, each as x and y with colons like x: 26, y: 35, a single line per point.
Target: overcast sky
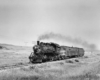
x: 24, y: 20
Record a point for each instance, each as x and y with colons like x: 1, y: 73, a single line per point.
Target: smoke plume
x: 69, y: 39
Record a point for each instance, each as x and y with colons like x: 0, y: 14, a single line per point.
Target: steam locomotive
x: 43, y: 52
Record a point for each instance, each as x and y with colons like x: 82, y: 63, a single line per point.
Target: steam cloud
x: 60, y: 37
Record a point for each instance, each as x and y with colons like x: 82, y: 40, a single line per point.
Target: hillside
x: 11, y: 54
x: 14, y: 65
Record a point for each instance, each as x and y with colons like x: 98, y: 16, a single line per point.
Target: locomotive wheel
x: 31, y: 60
x: 60, y: 58
x: 51, y: 59
x: 39, y: 61
x: 63, y: 57
x: 77, y: 56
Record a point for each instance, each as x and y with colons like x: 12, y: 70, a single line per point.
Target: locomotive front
x: 43, y: 52
x: 35, y: 54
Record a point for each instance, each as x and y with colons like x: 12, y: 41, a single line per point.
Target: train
x: 44, y: 52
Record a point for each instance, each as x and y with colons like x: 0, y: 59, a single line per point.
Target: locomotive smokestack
x: 38, y: 42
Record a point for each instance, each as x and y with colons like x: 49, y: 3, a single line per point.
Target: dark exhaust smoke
x: 69, y: 39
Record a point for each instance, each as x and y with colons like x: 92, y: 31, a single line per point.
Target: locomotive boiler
x: 43, y: 52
